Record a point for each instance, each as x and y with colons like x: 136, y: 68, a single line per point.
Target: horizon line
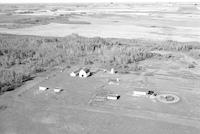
x: 93, y: 2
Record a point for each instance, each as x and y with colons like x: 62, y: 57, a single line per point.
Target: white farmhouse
x: 85, y: 72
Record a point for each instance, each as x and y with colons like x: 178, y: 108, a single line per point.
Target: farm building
x: 42, y: 88
x: 85, y: 72
x: 57, y: 90
x: 75, y: 73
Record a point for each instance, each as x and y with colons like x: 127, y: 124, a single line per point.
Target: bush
x: 191, y: 66
x: 10, y: 79
x: 195, y: 53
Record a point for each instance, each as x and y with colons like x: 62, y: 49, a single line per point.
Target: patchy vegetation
x: 177, y: 46
x: 13, y: 21
x: 3, y: 107
x: 23, y: 56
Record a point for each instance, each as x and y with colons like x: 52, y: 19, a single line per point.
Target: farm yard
x: 100, y: 68
x: 75, y: 109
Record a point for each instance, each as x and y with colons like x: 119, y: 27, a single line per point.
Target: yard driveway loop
x: 168, y: 98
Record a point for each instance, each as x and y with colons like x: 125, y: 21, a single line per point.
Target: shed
x: 41, y: 88
x: 75, y: 73
x: 57, y: 90
x: 139, y: 93
x: 112, y: 71
x: 113, y: 96
x: 85, y: 72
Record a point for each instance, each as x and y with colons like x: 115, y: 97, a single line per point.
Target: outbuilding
x: 41, y: 88
x: 85, y: 72
x: 75, y: 73
x: 139, y: 93
x: 58, y: 90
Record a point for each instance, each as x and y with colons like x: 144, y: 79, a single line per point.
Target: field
x: 151, y: 46
x: 166, y: 21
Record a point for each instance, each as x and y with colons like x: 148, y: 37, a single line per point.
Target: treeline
x: 177, y: 46
x: 23, y: 56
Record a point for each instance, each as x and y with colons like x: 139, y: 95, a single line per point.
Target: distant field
x: 179, y: 22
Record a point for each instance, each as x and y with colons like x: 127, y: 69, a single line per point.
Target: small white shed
x: 57, y: 90
x: 41, y: 88
x: 85, y: 72
x: 112, y: 71
x: 139, y: 93
x: 75, y: 73
x: 113, y: 97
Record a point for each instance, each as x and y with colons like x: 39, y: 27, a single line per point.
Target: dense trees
x: 23, y: 56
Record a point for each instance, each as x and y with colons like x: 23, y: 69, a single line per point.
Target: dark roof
x: 77, y: 71
x: 86, y: 70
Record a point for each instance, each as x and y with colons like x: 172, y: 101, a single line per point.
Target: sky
x: 85, y: 1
